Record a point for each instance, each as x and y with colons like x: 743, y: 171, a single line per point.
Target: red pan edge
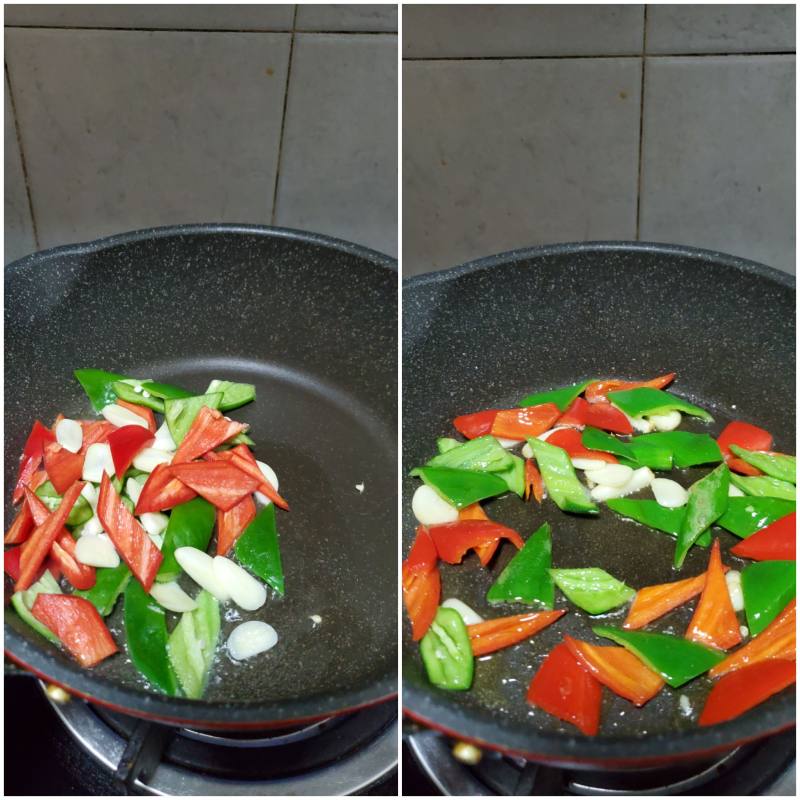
x: 615, y: 763
x: 180, y: 722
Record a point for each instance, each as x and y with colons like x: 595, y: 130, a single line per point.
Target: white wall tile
x: 335, y: 17
x: 720, y: 28
x: 127, y: 129
x: 339, y: 162
x: 17, y: 225
x: 719, y: 157
x: 182, y: 17
x: 505, y: 154
x: 448, y: 31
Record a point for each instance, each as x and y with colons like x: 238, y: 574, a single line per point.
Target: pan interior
x: 488, y: 336
x: 321, y: 420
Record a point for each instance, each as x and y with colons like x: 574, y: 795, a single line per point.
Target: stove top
x: 92, y: 751
x: 762, y: 768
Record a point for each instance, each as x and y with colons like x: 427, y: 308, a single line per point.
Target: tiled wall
x: 526, y: 125
x: 123, y: 117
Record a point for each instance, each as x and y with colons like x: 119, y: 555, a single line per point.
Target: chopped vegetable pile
x: 619, y: 434
x: 121, y: 506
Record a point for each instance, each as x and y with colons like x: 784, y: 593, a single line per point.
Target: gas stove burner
x: 336, y: 756
x: 762, y: 768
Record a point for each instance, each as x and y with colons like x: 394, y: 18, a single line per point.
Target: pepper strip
x: 597, y: 391
x: 453, y: 539
x: 447, y: 651
x: 776, y: 542
x: 526, y: 578
x: 495, y: 634
x: 776, y: 465
x: 708, y: 499
x: 533, y: 482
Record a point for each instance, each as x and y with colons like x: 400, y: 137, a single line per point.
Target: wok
x: 486, y: 334
x: 311, y: 321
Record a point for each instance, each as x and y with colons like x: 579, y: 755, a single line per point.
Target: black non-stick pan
x: 486, y: 334
x: 311, y: 321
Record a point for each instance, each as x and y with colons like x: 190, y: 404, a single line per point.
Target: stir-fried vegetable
x: 746, y: 515
x: 447, y: 651
x: 526, y: 578
x: 776, y: 465
x: 776, y: 542
x: 646, y: 401
x: 767, y: 586
x: 495, y: 634
x: 592, y: 589
x: 708, y: 499
x: 559, y: 477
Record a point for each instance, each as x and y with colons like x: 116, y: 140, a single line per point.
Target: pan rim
x: 611, y: 245
x: 427, y: 707
x: 138, y: 701
x: 205, y: 228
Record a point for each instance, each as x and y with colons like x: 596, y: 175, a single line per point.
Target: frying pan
x: 486, y: 334
x: 311, y: 321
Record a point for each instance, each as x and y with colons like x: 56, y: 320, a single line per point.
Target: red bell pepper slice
x: 95, y: 432
x: 422, y: 557
x: 62, y: 467
x: 777, y: 640
x: 714, y: 622
x: 495, y: 634
x: 132, y: 542
x: 597, y: 392
x: 250, y: 468
x: 209, y: 430
x: 599, y: 415
x: 222, y: 483
x: 231, y: 524
x: 619, y: 669
x: 11, y: 558
x: 776, y: 542
x: 81, y: 576
x: 162, y: 490
x: 141, y: 411
x: 79, y: 626
x: 421, y: 594
x: 534, y: 485
x: 126, y: 443
x: 474, y: 425
x: 32, y: 454
x: 453, y: 539
x: 38, y: 546
x: 485, y: 552
x: 652, y: 602
x: 746, y: 688
x: 518, y: 423
x: 21, y: 527
x: 569, y: 439
x: 563, y: 688
x: 751, y: 437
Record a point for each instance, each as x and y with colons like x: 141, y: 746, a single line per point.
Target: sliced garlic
x: 734, y: 491
x: 666, y: 422
x: 172, y: 597
x: 271, y: 478
x: 96, y: 551
x: 527, y: 451
x: 469, y: 615
x: 430, y: 509
x: 244, y: 589
x: 508, y: 443
x: 69, y: 435
x: 90, y: 493
x: 610, y: 475
x: 250, y: 639
x: 734, y: 580
x: 154, y: 522
x: 199, y: 566
x: 640, y: 478
x: 588, y: 463
x: 120, y: 416
x: 97, y: 461
x: 92, y: 527
x: 148, y: 459
x: 640, y: 424
x: 669, y: 493
x: 164, y: 440
x: 133, y: 489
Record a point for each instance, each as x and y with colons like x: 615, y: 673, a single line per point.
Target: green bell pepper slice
x: 635, y: 453
x: 234, y: 395
x: 460, y: 487
x: 190, y: 525
x: 676, y: 659
x: 526, y: 578
x: 592, y: 589
x: 650, y: 513
x: 484, y: 454
x: 447, y: 651
x: 446, y: 443
x: 99, y: 386
x: 688, y: 449
x: 192, y: 644
x: 124, y: 391
x: 646, y: 401
x: 146, y: 638
x: 163, y: 391
x: 561, y: 397
x: 110, y: 583
x: 764, y: 486
x: 768, y: 587
x: 179, y: 413
x: 258, y: 549
x: 559, y: 477
x: 708, y: 499
x: 240, y: 438
x: 776, y: 465
x: 23, y: 603
x: 514, y: 476
x: 80, y: 513
x: 746, y: 515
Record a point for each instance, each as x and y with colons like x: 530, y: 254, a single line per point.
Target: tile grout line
x: 605, y: 56
x: 194, y: 30
x: 24, y: 165
x: 641, y: 125
x: 283, y: 121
